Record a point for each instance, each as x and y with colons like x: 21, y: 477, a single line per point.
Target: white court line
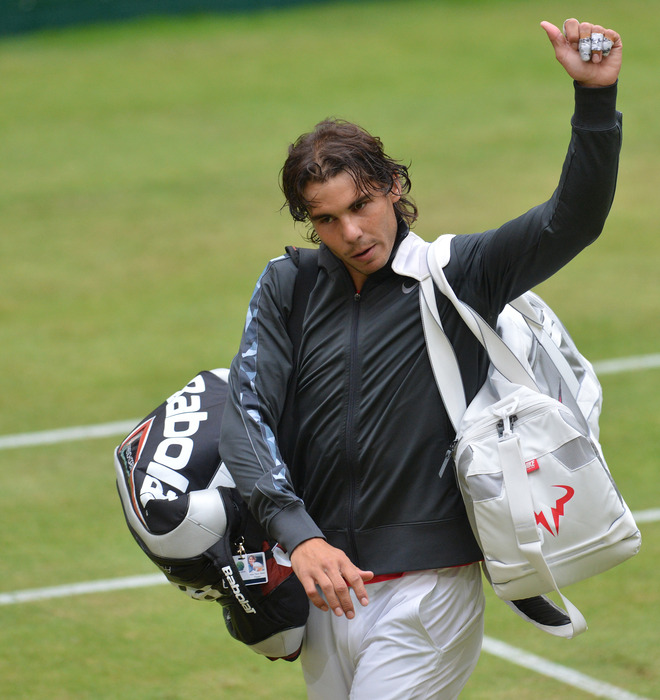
x: 114, y: 584
x: 556, y: 671
x: 121, y: 428
x: 82, y: 432
x: 647, y: 516
x: 627, y: 364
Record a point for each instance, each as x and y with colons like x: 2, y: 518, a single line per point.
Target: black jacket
x: 373, y: 431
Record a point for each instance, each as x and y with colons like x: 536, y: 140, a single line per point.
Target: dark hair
x: 336, y: 146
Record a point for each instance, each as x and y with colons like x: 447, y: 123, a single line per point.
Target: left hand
x: 600, y: 71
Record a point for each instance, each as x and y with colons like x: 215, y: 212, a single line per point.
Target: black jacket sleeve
x: 490, y: 269
x: 257, y: 393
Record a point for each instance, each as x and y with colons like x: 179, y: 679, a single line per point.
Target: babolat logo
x: 236, y: 590
x: 182, y: 420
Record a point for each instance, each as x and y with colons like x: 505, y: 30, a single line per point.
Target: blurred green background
x: 139, y: 201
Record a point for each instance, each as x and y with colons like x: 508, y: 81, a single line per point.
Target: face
x: 358, y: 227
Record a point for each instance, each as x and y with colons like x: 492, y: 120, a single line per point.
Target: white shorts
x: 419, y: 638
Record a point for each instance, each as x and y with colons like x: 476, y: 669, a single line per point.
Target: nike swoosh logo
x: 407, y: 290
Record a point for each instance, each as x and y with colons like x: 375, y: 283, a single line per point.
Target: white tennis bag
x: 539, y: 495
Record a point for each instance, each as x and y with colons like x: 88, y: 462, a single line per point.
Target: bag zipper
x: 448, y: 457
x: 485, y: 426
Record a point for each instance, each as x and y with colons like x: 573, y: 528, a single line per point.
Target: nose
x: 350, y: 230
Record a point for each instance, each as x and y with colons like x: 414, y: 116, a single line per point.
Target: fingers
x: 327, y: 575
x: 336, y: 588
x: 571, y: 31
x: 356, y: 581
x: 592, y: 41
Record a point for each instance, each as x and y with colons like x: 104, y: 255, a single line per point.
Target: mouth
x: 363, y: 255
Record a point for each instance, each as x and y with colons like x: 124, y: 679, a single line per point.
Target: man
x: 358, y: 504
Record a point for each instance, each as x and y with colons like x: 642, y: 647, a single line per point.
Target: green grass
x: 139, y: 202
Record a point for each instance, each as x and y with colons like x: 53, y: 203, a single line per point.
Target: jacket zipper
x: 351, y: 444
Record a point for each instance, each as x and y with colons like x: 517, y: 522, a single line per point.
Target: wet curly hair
x: 336, y: 146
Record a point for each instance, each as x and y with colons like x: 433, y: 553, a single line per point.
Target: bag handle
x: 527, y: 535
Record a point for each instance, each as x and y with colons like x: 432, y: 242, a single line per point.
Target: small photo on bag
x: 252, y: 568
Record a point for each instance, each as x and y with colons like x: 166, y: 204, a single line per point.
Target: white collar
x: 410, y: 258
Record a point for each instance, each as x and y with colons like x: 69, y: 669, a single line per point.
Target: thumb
x: 557, y: 39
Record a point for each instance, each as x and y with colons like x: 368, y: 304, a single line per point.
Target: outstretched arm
x: 599, y: 70
x: 491, y: 268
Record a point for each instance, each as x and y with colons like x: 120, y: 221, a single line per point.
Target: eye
x: 360, y: 205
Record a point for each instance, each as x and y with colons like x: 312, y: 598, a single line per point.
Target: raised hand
x: 583, y: 40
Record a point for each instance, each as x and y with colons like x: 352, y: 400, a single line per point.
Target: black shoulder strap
x: 307, y: 261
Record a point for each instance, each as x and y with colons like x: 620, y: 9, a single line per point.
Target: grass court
x: 139, y: 202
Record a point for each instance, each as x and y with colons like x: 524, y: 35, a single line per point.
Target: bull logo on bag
x: 557, y: 510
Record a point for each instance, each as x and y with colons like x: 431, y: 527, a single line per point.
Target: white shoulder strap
x: 504, y: 360
x: 500, y: 355
x: 441, y: 354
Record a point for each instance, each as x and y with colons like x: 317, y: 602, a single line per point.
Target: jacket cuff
x: 292, y: 526
x: 595, y: 107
